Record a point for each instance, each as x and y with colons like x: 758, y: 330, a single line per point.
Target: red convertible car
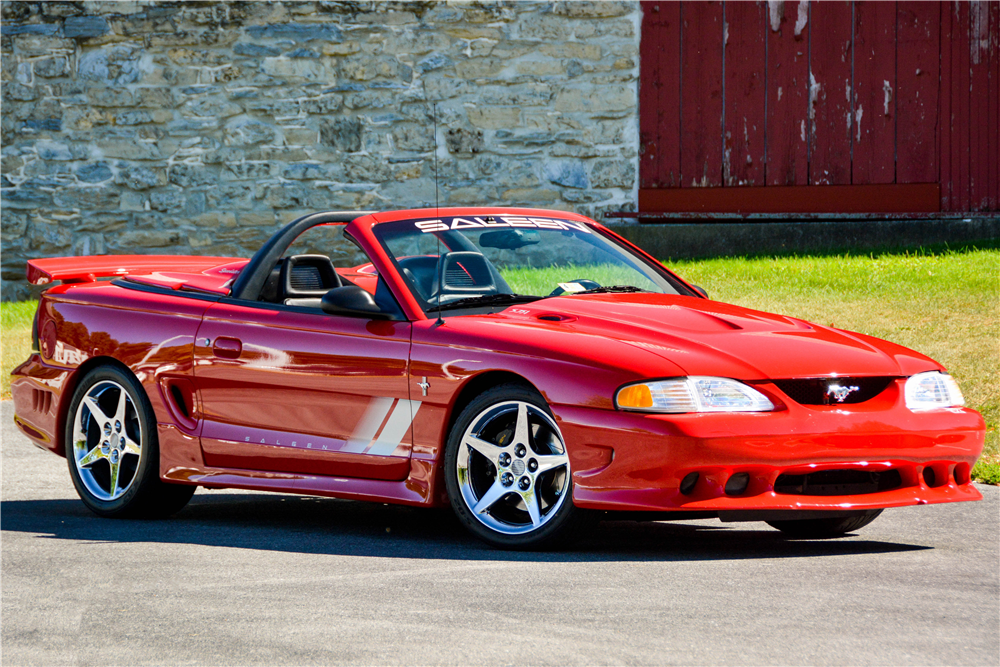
x: 530, y: 368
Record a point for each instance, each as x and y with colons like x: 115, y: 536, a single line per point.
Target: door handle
x: 230, y: 348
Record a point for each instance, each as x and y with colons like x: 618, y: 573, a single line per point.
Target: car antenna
x: 437, y: 212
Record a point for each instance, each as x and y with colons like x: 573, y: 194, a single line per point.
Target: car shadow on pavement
x: 300, y: 524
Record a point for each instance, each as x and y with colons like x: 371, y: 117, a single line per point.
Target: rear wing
x: 89, y: 269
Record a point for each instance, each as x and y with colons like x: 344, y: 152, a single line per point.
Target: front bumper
x: 634, y: 461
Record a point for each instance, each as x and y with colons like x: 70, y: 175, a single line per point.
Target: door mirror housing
x: 352, y: 301
x: 700, y: 290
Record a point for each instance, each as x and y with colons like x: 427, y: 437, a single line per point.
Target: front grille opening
x: 838, y: 483
x: 821, y: 391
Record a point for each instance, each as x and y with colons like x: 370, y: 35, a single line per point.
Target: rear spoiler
x: 89, y: 269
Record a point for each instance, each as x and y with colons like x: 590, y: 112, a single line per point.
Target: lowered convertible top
x: 89, y: 269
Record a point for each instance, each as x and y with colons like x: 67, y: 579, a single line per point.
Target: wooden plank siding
x: 701, y: 94
x: 787, y: 94
x: 918, y: 31
x: 993, y: 118
x: 745, y: 119
x: 874, y: 159
x: 660, y: 96
x: 753, y: 97
x: 830, y: 94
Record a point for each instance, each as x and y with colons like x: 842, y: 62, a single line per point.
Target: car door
x: 295, y: 390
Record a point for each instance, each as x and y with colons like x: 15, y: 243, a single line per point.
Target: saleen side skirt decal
x: 374, y: 435
x: 366, y: 438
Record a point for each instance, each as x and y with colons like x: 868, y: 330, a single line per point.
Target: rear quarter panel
x: 83, y: 326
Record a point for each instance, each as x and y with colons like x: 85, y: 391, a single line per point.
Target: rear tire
x: 112, y: 449
x: 507, y: 471
x: 818, y: 528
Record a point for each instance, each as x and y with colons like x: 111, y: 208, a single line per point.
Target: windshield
x: 471, y: 262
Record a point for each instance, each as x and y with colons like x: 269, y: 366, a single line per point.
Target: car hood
x: 705, y: 337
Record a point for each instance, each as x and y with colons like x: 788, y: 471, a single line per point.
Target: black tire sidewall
x: 556, y: 530
x: 147, y: 474
x: 821, y: 528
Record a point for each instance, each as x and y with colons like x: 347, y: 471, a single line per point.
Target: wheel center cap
x: 114, y: 440
x: 518, y: 467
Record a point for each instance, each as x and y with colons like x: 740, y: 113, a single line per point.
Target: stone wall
x: 198, y: 128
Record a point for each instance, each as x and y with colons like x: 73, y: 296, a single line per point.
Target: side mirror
x: 352, y: 301
x: 700, y: 290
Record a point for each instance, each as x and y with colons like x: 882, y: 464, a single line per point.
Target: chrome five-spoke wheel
x: 107, y: 440
x: 112, y: 448
x: 508, y: 469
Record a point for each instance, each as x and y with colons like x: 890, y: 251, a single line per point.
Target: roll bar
x: 253, y: 276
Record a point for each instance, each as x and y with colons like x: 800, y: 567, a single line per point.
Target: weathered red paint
x: 946, y: 117
x: 874, y: 157
x: 660, y: 96
x: 918, y: 26
x: 961, y: 101
x: 979, y: 63
x: 745, y: 93
x: 903, y: 93
x: 787, y: 95
x: 830, y: 94
x: 993, y: 118
x: 701, y: 94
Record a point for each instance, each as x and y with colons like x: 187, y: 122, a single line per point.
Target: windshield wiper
x: 485, y: 300
x: 612, y: 288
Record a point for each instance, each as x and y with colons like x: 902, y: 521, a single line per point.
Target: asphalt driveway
x: 251, y: 578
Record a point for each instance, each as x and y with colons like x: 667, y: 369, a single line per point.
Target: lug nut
x: 505, y: 459
x: 532, y: 465
x: 524, y: 483
x: 107, y: 429
x: 520, y: 451
x: 506, y: 479
x: 118, y: 426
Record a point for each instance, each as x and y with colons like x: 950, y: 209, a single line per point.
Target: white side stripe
x: 365, y: 431
x: 395, y: 429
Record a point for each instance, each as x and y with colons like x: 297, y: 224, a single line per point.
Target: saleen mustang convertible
x: 530, y: 368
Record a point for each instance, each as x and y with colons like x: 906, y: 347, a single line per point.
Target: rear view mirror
x: 509, y: 239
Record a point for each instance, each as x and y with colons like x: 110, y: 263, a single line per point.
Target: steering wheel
x: 585, y: 283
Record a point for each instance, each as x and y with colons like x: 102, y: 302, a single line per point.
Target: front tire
x: 507, y: 471
x: 819, y: 528
x: 112, y: 449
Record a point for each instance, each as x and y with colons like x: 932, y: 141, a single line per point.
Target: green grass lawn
x: 15, y: 335
x: 945, y: 304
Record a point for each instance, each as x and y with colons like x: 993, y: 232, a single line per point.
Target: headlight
x: 932, y: 390
x: 692, y: 394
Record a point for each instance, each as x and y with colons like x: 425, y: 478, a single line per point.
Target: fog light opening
x: 737, y: 484
x: 930, y: 479
x: 688, y: 483
x: 962, y: 473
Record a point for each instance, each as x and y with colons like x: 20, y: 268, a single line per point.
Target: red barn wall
x: 821, y: 107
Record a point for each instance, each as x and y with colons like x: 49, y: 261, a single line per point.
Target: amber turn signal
x: 636, y: 396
